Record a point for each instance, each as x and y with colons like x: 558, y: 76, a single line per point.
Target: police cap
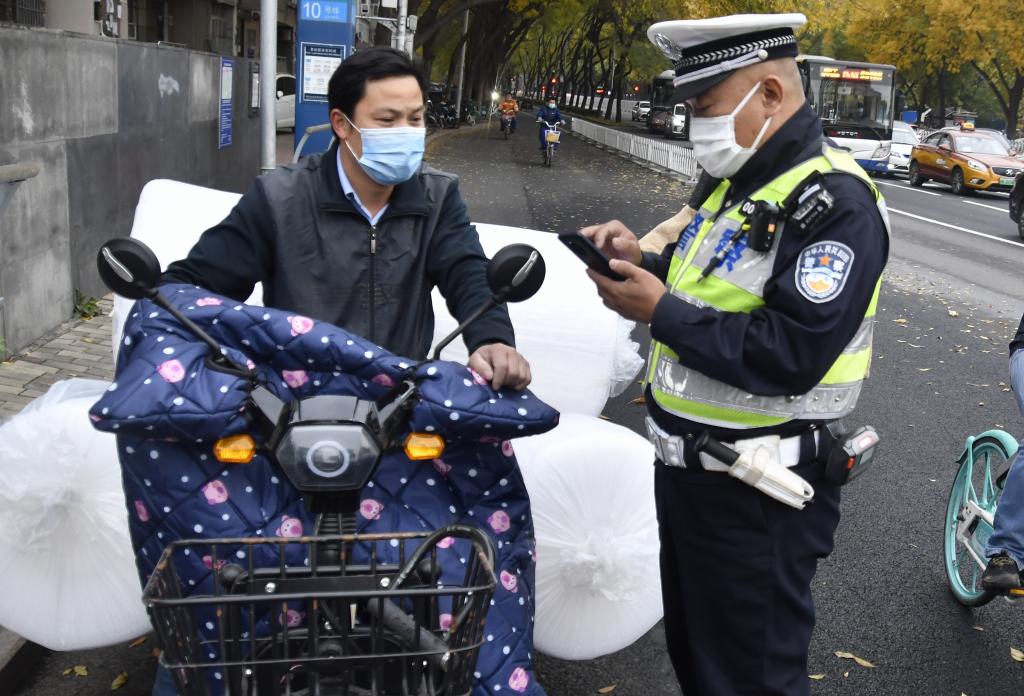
x: 706, y: 51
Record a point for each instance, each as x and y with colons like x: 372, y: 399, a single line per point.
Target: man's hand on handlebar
x: 502, y: 366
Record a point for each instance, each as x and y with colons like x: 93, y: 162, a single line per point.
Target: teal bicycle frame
x: 970, y: 512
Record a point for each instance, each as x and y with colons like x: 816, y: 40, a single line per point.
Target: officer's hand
x: 501, y: 365
x: 633, y: 298
x: 615, y: 240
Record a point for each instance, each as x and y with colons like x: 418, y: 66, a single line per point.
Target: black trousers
x: 736, y: 569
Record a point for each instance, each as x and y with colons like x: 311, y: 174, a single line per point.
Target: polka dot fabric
x: 168, y: 405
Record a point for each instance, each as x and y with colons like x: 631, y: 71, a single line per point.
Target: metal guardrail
x: 666, y: 155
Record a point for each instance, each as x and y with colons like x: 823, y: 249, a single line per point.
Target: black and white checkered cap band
x: 774, y: 43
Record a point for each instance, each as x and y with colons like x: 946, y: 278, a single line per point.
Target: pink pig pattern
x: 290, y: 527
x: 506, y: 448
x: 172, y: 371
x: 294, y: 378
x: 477, y: 377
x: 292, y: 618
x: 441, y: 467
x: 300, y: 325
x: 499, y: 521
x: 509, y: 581
x: 371, y: 509
x: 383, y: 380
x: 519, y: 680
x: 208, y: 302
x: 141, y: 511
x: 445, y: 621
x: 215, y: 492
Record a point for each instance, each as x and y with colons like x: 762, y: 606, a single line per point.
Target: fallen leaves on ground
x: 80, y: 670
x: 977, y: 628
x: 137, y: 642
x: 119, y: 681
x: 639, y: 400
x: 954, y: 313
x: 899, y: 321
x: 816, y: 677
x: 606, y: 689
x: 1017, y: 654
x: 850, y: 656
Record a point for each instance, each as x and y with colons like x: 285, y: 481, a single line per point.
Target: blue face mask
x: 390, y: 155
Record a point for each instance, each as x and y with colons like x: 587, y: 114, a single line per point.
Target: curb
x: 17, y: 659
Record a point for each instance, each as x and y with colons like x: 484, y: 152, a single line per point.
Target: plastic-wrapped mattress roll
x: 591, y: 485
x: 169, y: 219
x: 580, y: 352
x: 69, y: 580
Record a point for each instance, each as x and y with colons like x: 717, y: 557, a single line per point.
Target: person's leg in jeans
x: 1008, y: 536
x: 164, y: 684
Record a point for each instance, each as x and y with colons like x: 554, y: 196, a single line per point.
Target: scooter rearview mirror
x: 515, y: 273
x: 129, y: 268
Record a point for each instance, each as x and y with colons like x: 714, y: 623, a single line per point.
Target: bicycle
x: 551, y: 137
x: 506, y: 124
x: 970, y: 514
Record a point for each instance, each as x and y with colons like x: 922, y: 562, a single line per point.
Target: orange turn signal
x: 424, y: 446
x: 235, y: 449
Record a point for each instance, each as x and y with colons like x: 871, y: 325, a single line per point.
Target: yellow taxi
x: 966, y: 160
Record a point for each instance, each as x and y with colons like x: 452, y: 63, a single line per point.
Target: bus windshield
x: 853, y: 101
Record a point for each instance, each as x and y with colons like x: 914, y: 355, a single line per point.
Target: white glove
x: 668, y: 231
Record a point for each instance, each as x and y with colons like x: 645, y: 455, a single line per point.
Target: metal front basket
x: 552, y: 136
x: 349, y: 615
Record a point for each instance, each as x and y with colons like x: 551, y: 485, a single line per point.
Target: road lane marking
x: 957, y: 227
x: 991, y: 207
x: 906, y: 188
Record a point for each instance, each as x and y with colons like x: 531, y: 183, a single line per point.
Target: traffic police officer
x: 761, y: 320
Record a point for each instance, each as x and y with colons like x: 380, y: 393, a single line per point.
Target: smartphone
x: 589, y: 254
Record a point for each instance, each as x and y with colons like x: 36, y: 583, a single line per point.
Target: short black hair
x: 348, y: 83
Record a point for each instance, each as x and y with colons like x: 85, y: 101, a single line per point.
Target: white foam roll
x: 591, y: 486
x: 69, y: 580
x: 580, y: 352
x: 169, y: 219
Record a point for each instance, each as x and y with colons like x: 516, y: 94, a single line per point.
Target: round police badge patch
x: 822, y: 270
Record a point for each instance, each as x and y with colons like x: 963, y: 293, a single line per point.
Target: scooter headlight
x: 328, y: 457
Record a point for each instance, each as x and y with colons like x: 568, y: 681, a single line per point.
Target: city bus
x: 856, y: 103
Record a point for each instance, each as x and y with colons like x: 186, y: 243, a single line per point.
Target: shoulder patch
x: 822, y: 270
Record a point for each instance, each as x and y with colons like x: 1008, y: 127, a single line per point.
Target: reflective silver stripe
x: 821, y: 402
x: 751, y: 271
x: 861, y: 339
x: 682, y: 250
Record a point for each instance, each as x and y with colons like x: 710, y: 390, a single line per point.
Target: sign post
x: 326, y: 33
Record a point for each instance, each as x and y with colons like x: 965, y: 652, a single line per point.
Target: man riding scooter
x: 508, y: 109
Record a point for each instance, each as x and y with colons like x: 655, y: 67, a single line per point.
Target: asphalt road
x: 949, y: 305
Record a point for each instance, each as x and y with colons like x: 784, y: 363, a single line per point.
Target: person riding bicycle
x: 1005, y: 547
x: 509, y: 108
x: 547, y: 115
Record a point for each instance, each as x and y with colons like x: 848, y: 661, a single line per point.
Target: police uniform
x: 769, y: 344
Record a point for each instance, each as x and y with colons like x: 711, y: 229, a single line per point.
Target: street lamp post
x: 268, y: 85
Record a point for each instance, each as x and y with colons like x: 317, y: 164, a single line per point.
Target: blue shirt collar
x: 350, y: 193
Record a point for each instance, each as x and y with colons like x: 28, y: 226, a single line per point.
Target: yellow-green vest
x: 692, y: 395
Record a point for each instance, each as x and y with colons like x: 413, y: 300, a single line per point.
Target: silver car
x: 903, y: 141
x: 640, y: 110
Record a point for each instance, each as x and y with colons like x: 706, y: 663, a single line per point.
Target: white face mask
x: 714, y: 141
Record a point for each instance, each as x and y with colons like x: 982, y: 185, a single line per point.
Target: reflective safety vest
x: 739, y: 287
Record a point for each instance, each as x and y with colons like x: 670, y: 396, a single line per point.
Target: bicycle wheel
x: 977, y: 486
x: 549, y: 155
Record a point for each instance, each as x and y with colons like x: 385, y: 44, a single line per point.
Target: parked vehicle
x: 640, y: 110
x: 1017, y: 204
x: 658, y: 118
x: 903, y: 141
x: 678, y: 125
x: 284, y: 107
x: 330, y: 611
x: 967, y: 161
